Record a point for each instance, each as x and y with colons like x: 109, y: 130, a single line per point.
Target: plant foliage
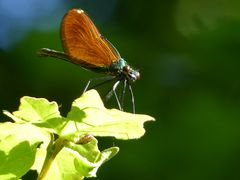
x: 63, y: 147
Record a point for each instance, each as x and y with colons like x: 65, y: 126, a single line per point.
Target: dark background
x: 188, y: 53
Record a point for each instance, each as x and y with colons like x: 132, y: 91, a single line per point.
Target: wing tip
x: 78, y: 11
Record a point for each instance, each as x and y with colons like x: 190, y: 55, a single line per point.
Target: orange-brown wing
x: 83, y: 43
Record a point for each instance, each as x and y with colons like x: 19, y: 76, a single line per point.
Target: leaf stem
x: 52, y: 150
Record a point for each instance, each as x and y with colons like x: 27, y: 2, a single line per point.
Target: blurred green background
x: 188, y: 53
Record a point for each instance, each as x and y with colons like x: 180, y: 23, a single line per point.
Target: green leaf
x: 36, y: 121
x: 39, y: 112
x: 77, y: 161
x: 14, y: 118
x: 18, y: 146
x: 36, y: 109
x: 89, y: 116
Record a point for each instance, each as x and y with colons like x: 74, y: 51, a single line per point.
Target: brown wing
x: 83, y: 43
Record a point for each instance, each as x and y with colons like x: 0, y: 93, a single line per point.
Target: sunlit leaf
x: 94, y: 118
x: 79, y: 160
x: 78, y: 156
x: 18, y: 147
x: 36, y: 109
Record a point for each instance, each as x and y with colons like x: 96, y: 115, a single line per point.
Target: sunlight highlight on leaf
x: 68, y: 156
x: 92, y: 117
x: 36, y: 109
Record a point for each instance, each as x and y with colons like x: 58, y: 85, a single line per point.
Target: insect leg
x: 123, y: 92
x: 132, y: 96
x: 115, y: 94
x: 104, y: 79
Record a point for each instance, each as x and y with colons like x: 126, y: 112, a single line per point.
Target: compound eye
x: 126, y: 68
x: 137, y: 75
